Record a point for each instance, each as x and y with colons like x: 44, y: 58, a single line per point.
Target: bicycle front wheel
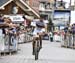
x: 36, y: 54
x: 36, y: 50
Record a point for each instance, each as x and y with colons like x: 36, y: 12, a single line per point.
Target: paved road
x: 52, y: 52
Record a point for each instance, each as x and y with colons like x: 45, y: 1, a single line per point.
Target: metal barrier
x: 8, y: 44
x: 69, y: 40
x: 25, y: 37
x: 1, y: 43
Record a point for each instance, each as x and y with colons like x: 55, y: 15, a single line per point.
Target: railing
x: 8, y: 44
x: 24, y: 38
x: 69, y: 40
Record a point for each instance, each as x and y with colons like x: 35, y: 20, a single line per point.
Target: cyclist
x: 39, y: 30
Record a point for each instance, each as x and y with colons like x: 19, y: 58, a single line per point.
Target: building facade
x: 46, y: 8
x: 34, y: 4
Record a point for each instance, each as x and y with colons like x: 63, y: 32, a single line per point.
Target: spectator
x: 73, y: 28
x: 51, y: 36
x: 1, y: 18
x: 38, y: 31
x: 39, y: 27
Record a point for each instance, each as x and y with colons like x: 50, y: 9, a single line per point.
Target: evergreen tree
x: 50, y: 25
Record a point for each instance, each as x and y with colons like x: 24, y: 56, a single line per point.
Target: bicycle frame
x: 37, y: 45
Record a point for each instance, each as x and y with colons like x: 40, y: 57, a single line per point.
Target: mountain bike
x: 37, y: 45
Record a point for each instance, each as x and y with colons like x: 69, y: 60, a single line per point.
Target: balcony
x: 46, y: 6
x: 50, y: 6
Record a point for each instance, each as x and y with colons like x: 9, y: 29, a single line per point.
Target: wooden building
x: 8, y: 7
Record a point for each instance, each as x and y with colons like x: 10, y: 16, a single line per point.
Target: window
x: 60, y: 4
x: 42, y: 6
x: 15, y: 10
x: 48, y: 6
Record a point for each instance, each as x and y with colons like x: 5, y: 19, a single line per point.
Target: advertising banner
x: 61, y: 17
x: 15, y: 18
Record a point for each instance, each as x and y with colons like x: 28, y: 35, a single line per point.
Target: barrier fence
x: 69, y: 40
x: 24, y: 38
x: 9, y: 43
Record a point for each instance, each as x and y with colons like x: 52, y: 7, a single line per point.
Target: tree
x: 50, y: 25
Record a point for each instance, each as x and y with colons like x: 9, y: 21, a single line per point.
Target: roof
x: 30, y: 8
x: 2, y: 2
